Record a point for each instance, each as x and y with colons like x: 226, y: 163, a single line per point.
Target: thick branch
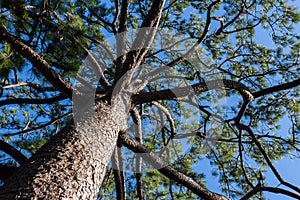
x: 168, y: 171
x: 176, y: 93
x: 143, y: 39
x: 124, y: 15
x: 31, y: 101
x: 121, y: 37
x: 277, y: 88
x: 37, y: 61
x: 6, y: 171
x: 270, y: 189
x: 14, y: 153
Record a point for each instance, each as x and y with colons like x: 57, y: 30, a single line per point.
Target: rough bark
x: 71, y: 165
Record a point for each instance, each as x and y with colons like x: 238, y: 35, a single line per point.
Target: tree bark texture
x: 71, y: 165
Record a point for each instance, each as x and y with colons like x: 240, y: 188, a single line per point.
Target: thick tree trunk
x: 71, y: 165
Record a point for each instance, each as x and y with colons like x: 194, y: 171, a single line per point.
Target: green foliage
x: 259, y: 48
x: 31, y: 145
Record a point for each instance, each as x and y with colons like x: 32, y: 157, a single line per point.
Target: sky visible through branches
x: 287, y: 167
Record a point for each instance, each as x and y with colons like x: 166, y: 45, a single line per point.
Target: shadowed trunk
x: 71, y: 165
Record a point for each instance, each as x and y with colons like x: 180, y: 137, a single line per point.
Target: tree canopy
x: 209, y: 81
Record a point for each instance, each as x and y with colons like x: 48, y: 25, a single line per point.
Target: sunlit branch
x: 168, y: 115
x: 137, y: 120
x: 15, y: 85
x: 143, y: 40
x: 31, y: 85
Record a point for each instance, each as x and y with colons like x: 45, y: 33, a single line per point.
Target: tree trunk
x: 71, y: 165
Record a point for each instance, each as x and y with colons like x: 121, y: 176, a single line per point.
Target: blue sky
x: 287, y: 167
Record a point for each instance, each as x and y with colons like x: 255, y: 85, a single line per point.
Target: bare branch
x: 124, y: 15
x: 241, y: 158
x: 137, y: 120
x: 121, y: 37
x: 117, y: 5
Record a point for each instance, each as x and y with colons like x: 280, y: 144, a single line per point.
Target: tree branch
x: 277, y: 88
x: 139, y: 134
x: 6, y: 171
x: 95, y: 13
x: 168, y: 115
x: 194, y: 48
x: 14, y: 153
x: 117, y: 162
x: 168, y: 171
x: 265, y: 155
x: 39, y: 127
x: 37, y: 61
x: 32, y: 101
x: 121, y: 37
x: 143, y: 39
x: 270, y: 189
x: 176, y: 93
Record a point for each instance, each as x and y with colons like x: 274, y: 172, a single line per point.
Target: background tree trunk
x: 70, y: 165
